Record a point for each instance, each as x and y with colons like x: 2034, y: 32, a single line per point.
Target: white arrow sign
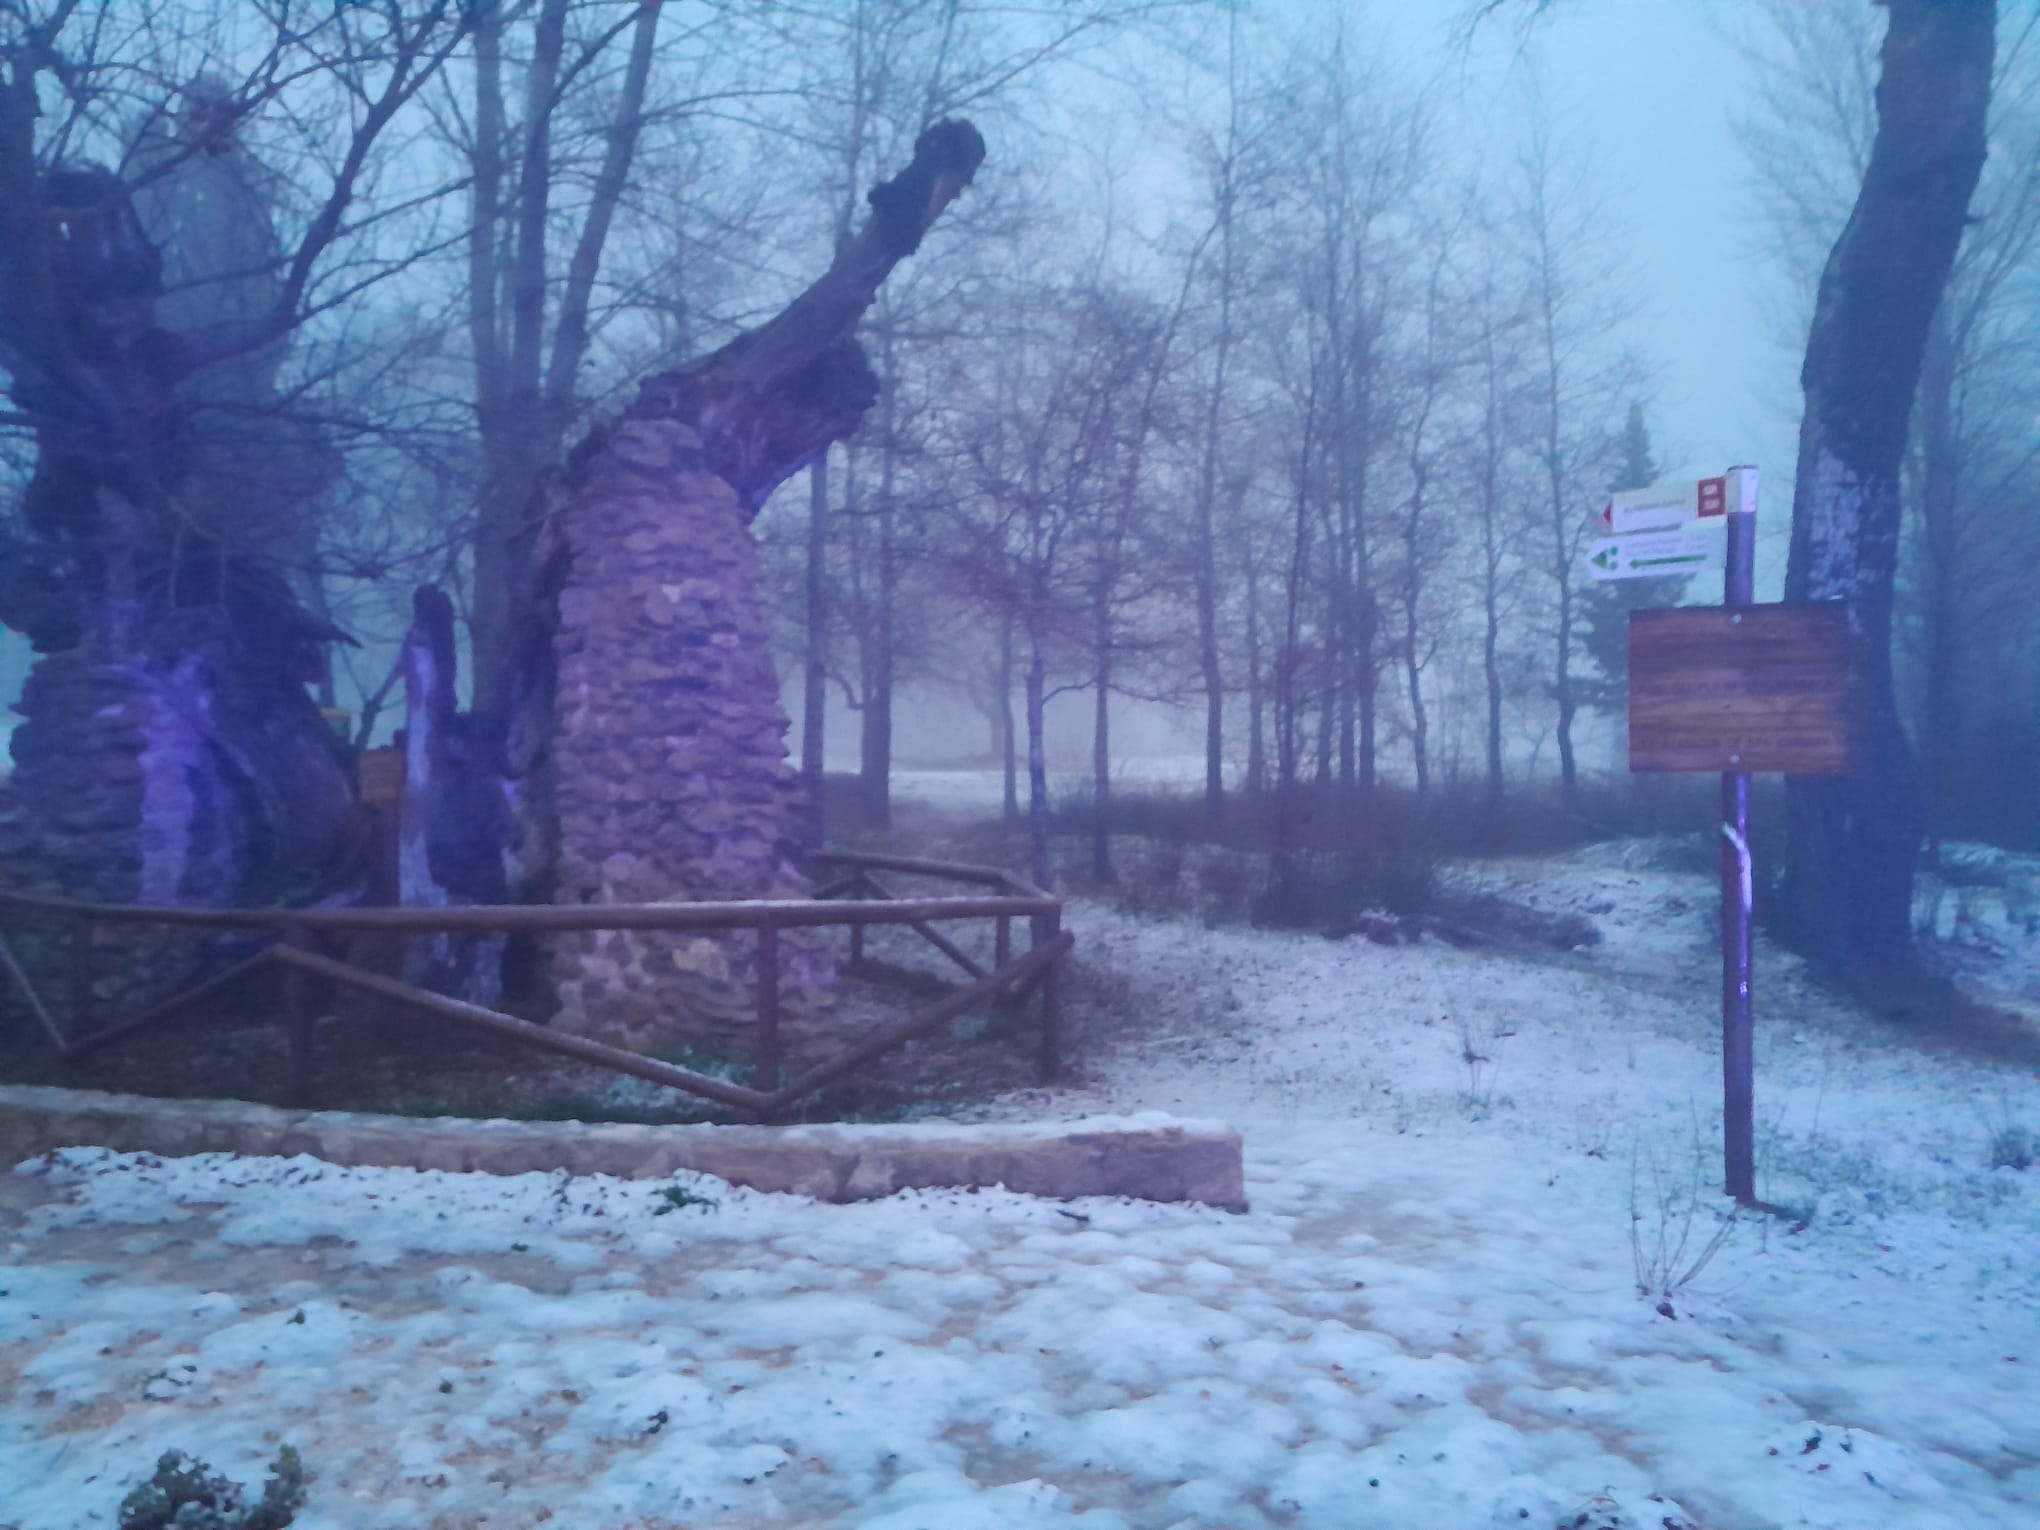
x: 1658, y: 554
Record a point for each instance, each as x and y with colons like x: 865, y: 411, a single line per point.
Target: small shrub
x: 1479, y: 1052
x: 186, y: 1494
x: 1661, y: 1231
x: 679, y: 1198
x: 2013, y: 1147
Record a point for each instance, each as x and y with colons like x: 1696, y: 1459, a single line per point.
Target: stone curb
x: 1149, y: 1157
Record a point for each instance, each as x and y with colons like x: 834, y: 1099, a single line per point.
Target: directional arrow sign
x: 1669, y: 506
x: 1657, y: 554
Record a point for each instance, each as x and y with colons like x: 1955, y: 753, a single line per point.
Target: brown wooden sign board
x: 1760, y: 688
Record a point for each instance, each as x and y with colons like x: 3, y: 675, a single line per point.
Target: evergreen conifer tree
x: 1605, y: 607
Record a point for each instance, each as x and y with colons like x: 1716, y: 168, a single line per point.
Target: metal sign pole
x: 1737, y: 1023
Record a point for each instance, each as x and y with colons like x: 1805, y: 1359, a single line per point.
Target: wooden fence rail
x: 855, y: 901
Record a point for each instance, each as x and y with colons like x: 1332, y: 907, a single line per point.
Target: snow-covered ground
x: 1430, y: 1318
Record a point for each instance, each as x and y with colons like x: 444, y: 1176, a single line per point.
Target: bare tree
x: 1430, y: 372
x: 1046, y: 428
x: 1229, y: 168
x: 529, y: 322
x: 1358, y: 151
x: 876, y: 73
x: 1489, y: 454
x: 1575, y: 380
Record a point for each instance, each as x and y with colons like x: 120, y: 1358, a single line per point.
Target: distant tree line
x: 1298, y: 428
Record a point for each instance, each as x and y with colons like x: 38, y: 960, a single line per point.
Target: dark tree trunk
x: 814, y: 692
x: 452, y: 823
x: 1039, y: 866
x: 1257, y: 739
x: 1938, y: 550
x: 1852, y: 841
x: 1491, y: 669
x: 1331, y: 686
x: 1491, y: 552
x: 1101, y: 748
x: 1420, y: 729
x: 1009, y: 732
x: 1368, y: 686
x: 1563, y: 572
x: 875, y: 737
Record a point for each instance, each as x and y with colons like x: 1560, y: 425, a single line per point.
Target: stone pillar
x: 668, y: 766
x: 120, y: 794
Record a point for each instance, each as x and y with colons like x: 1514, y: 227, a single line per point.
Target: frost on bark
x: 1852, y: 841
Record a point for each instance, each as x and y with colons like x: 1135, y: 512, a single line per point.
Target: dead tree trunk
x: 452, y: 825
x: 653, y: 742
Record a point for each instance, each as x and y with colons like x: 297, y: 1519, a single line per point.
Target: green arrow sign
x: 1655, y: 554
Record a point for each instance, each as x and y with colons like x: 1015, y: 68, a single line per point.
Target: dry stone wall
x: 115, y: 798
x: 669, y: 777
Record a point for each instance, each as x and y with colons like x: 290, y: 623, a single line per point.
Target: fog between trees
x: 1269, y: 373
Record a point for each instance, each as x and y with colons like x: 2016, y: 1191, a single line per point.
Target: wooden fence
x: 302, y: 943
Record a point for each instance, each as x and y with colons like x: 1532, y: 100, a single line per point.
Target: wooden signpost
x: 1763, y: 688
x: 1737, y: 688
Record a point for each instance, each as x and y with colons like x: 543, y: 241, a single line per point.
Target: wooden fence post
x: 1046, y: 928
x: 767, y: 1054
x: 858, y: 893
x: 300, y: 1028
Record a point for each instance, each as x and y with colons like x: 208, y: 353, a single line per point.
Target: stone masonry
x: 668, y: 773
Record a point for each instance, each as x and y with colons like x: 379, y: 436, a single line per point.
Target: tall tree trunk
x: 1352, y: 624
x: 814, y: 690
x: 1491, y: 672
x: 875, y: 753
x: 489, y: 615
x: 1208, y: 667
x: 1223, y: 226
x: 1852, y: 841
x: 1939, y: 488
x: 524, y: 438
x: 1009, y: 732
x: 1563, y: 572
x: 1213, y: 676
x: 1568, y: 703
x: 1037, y: 761
x: 1257, y: 741
x: 1101, y: 748
x: 1367, y: 689
x: 526, y: 397
x: 1413, y: 671
x: 1490, y: 513
x: 1288, y: 701
x: 1491, y: 570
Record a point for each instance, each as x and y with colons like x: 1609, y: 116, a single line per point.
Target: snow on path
x: 1429, y: 1318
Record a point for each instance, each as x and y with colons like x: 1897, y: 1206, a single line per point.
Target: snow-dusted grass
x: 1429, y: 1319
